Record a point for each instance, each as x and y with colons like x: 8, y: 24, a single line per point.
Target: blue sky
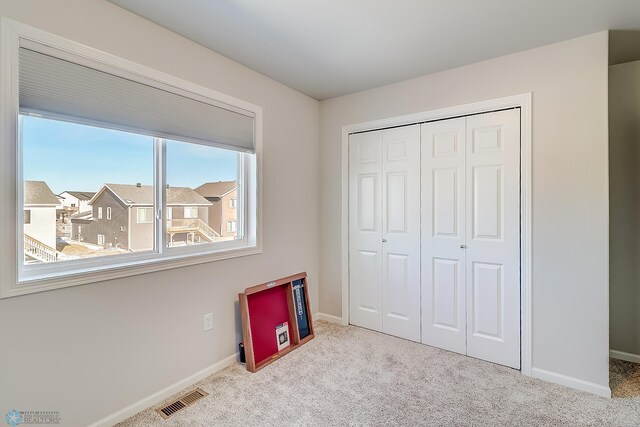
x: 75, y: 157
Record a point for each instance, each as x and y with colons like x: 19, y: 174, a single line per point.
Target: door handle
x: 463, y: 246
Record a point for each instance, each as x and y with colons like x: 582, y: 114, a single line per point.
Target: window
x: 73, y: 205
x: 145, y: 215
x: 232, y: 203
x: 190, y: 212
x: 80, y: 107
x: 211, y: 172
x: 231, y: 226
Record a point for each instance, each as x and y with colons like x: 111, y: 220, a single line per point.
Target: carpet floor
x: 348, y: 376
x: 624, y: 378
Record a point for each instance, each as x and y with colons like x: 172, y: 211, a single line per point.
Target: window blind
x: 51, y: 85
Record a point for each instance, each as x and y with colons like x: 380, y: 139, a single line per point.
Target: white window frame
x: 100, y: 237
x: 109, y: 212
x: 232, y: 226
x: 147, y: 215
x: 233, y: 202
x: 15, y: 279
x: 191, y: 209
x: 99, y: 212
x: 169, y: 215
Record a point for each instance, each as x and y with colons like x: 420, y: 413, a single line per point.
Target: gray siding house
x: 122, y: 216
x: 223, y: 212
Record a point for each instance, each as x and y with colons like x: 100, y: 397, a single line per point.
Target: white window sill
x: 124, y: 269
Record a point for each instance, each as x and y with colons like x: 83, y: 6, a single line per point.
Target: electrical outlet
x: 208, y: 322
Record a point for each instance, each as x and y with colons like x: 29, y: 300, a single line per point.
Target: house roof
x: 143, y: 195
x: 39, y: 193
x: 217, y: 189
x: 87, y: 215
x: 81, y: 195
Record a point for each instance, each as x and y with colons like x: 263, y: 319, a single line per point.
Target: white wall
x: 91, y: 350
x: 624, y: 187
x: 68, y: 200
x: 570, y: 191
x: 81, y: 205
x: 43, y: 225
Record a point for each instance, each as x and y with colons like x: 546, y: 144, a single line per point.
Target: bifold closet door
x: 384, y: 231
x: 401, y: 232
x: 365, y: 230
x: 493, y: 237
x: 470, y: 236
x: 444, y: 317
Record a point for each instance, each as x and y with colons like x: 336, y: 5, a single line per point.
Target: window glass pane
x: 204, y: 178
x: 71, y: 172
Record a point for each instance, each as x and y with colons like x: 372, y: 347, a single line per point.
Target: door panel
x: 493, y: 243
x: 401, y: 230
x: 446, y: 291
x: 487, y: 301
x: 487, y: 208
x: 443, y: 231
x: 368, y: 262
x: 446, y: 203
x: 396, y: 202
x: 367, y: 193
x: 365, y: 230
x: 399, y: 288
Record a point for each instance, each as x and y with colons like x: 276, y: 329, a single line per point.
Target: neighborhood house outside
x: 119, y: 218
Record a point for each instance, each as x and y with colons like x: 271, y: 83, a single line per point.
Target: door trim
x: 523, y: 102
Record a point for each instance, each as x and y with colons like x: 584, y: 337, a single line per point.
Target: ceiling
x: 328, y: 48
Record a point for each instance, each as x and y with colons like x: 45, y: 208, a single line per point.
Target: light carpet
x: 348, y: 376
x: 624, y: 378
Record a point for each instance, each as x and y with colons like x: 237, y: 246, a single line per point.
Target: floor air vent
x: 181, y: 403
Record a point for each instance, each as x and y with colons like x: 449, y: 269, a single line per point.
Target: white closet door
x: 444, y: 314
x: 401, y: 232
x: 365, y: 230
x: 493, y: 242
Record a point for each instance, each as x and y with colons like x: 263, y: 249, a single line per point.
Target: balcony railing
x: 193, y: 225
x: 40, y: 251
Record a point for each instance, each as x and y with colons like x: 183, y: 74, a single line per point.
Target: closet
x: 434, y: 234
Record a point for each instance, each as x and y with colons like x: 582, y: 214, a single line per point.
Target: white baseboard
x: 166, y: 392
x: 571, y: 382
x: 328, y: 317
x: 629, y: 357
